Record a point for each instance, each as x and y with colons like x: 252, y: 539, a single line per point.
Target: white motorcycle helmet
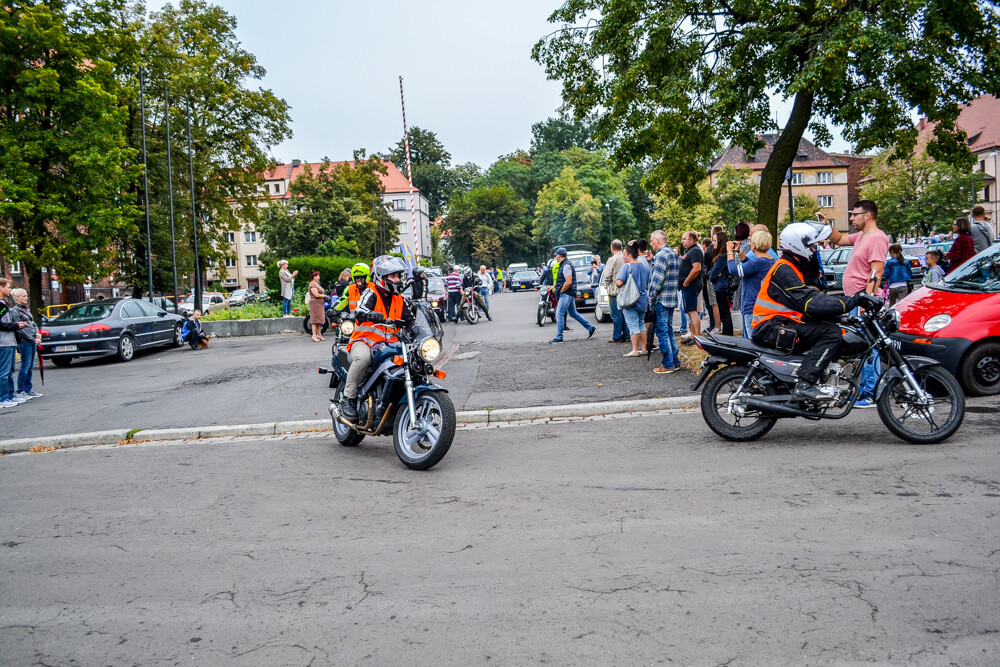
x: 385, y: 266
x: 798, y: 236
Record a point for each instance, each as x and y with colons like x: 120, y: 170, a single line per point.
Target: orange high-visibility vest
x: 372, y: 334
x: 354, y: 296
x: 765, y: 308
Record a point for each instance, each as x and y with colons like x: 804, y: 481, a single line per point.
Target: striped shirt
x: 663, y: 278
x: 454, y: 282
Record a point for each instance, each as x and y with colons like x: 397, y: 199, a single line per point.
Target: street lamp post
x: 996, y: 194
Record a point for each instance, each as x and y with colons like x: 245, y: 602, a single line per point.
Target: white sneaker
x: 34, y: 394
x: 8, y: 404
x: 23, y: 394
x: 19, y: 399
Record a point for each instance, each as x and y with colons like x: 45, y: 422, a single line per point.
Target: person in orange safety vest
x: 380, y: 314
x: 791, y: 312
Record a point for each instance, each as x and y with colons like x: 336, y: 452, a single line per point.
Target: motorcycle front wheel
x: 471, y: 314
x: 918, y: 424
x: 541, y: 314
x: 423, y: 447
x: 715, y: 406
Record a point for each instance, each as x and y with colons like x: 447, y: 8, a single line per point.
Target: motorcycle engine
x: 363, y: 410
x: 833, y: 377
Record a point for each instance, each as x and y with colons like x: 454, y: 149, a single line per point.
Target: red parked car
x: 957, y: 322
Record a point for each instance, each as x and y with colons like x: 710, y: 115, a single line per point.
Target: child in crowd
x: 897, y: 274
x: 934, y: 271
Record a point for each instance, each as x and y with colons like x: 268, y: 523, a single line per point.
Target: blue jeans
x: 747, y: 325
x: 684, y: 320
x: 27, y: 352
x: 286, y: 306
x: 567, y: 304
x: 870, y: 371
x: 454, y: 299
x: 485, y: 291
x: 617, y: 321
x: 665, y: 335
x: 7, y: 373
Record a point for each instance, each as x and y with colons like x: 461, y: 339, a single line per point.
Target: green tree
x: 329, y: 212
x: 675, y: 216
x: 736, y: 195
x: 919, y: 195
x: 566, y: 212
x: 806, y: 208
x: 554, y: 135
x: 674, y: 81
x: 488, y: 224
x: 64, y: 158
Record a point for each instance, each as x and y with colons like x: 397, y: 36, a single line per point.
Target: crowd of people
x: 19, y: 337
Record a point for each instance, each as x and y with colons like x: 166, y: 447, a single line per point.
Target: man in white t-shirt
x: 485, y: 287
x: 871, y: 245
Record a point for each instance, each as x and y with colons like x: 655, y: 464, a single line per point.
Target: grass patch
x: 691, y: 357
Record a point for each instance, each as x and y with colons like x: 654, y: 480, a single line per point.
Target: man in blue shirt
x: 663, y: 298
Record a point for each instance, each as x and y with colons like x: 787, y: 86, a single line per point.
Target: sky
x: 466, y: 65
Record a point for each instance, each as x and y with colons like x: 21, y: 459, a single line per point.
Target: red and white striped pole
x: 409, y: 176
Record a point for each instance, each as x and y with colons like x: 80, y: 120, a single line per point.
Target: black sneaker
x: 347, y: 409
x: 590, y: 334
x: 814, y: 392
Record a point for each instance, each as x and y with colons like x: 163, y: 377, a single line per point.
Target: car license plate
x: 64, y: 348
x: 591, y: 300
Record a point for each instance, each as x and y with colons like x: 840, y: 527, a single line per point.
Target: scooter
x: 396, y: 397
x: 748, y: 387
x: 331, y: 317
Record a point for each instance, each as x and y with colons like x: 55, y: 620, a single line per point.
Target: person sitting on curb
x: 193, y: 335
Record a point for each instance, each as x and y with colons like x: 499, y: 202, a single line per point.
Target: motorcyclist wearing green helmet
x: 360, y: 273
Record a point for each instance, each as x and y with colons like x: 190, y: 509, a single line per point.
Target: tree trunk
x: 35, y: 304
x: 782, y: 156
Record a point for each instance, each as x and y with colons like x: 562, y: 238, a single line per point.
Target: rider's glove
x: 399, y: 324
x: 870, y: 302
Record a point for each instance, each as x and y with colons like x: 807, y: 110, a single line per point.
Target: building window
x: 230, y: 237
x: 825, y: 201
x: 251, y: 260
x: 797, y: 178
x: 249, y: 237
x: 277, y: 188
x: 230, y: 262
x: 15, y: 267
x: 398, y: 204
x: 824, y: 177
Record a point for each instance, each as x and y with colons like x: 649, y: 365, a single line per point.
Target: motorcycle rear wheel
x: 344, y: 435
x: 308, y: 327
x: 715, y: 402
x: 918, y: 425
x: 422, y: 451
x: 540, y: 314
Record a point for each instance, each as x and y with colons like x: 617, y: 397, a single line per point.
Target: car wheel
x: 178, y: 336
x: 979, y: 371
x: 62, y: 362
x: 126, y: 348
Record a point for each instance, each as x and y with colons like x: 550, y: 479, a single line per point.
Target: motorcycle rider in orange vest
x: 791, y: 312
x: 380, y: 314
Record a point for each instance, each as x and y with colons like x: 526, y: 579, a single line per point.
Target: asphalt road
x: 266, y: 379
x: 613, y: 541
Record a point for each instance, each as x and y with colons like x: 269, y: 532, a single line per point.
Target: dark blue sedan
x: 107, y: 327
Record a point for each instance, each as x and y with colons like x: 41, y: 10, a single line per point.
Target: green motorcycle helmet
x: 360, y: 270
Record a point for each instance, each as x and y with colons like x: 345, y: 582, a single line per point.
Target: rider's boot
x: 348, y: 410
x: 814, y: 392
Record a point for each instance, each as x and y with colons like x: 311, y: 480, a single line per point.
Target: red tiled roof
x: 738, y: 158
x: 980, y: 119
x: 393, y: 181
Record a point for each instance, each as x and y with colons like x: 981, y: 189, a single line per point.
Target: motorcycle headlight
x: 890, y: 321
x: 347, y: 327
x: 434, y: 304
x: 430, y: 349
x: 937, y: 322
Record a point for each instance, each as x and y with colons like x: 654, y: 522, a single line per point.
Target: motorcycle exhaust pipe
x: 777, y: 408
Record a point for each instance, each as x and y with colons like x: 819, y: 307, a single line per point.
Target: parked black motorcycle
x: 917, y: 399
x: 331, y: 316
x: 397, y: 397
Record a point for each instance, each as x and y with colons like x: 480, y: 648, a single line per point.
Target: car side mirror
x: 161, y: 313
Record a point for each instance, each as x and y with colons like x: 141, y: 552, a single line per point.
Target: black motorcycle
x: 748, y: 387
x: 331, y: 316
x: 396, y: 397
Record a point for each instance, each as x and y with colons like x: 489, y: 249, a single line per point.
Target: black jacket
x: 787, y: 289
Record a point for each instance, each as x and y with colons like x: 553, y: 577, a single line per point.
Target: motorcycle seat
x: 747, y: 344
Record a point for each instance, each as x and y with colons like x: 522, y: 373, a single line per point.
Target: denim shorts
x: 633, y: 321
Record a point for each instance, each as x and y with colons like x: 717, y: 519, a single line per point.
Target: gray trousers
x: 361, y: 361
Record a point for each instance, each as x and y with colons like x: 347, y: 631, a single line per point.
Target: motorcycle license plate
x: 64, y: 348
x: 896, y: 344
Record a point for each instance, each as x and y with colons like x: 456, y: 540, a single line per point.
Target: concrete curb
x: 470, y: 417
x: 257, y: 327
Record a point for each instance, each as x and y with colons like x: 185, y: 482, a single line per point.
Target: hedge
x: 329, y: 270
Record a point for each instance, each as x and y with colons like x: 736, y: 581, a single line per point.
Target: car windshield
x: 238, y: 293
x: 915, y: 250
x: 525, y: 275
x: 435, y: 284
x: 981, y: 273
x: 85, y: 312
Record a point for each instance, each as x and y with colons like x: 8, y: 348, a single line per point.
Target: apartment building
x: 826, y: 178
x: 244, y: 270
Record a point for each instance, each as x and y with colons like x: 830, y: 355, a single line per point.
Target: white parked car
x: 210, y: 302
x: 602, y: 311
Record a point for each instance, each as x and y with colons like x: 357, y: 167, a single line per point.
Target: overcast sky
x: 466, y: 66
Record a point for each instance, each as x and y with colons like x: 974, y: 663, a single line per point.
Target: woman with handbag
x: 633, y: 299
x: 317, y: 313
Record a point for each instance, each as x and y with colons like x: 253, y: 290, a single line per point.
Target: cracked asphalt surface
x: 267, y: 379
x: 607, y: 541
